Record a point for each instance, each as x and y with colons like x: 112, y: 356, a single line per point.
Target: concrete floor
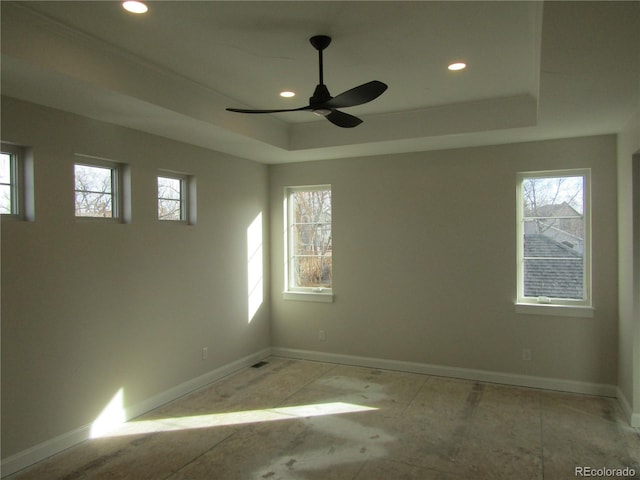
x: 293, y: 419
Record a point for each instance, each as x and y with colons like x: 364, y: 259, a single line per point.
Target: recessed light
x: 457, y: 66
x: 134, y: 6
x: 287, y: 94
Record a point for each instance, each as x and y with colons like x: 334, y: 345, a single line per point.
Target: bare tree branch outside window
x: 170, y: 198
x: 311, y: 253
x: 554, y: 203
x: 94, y: 191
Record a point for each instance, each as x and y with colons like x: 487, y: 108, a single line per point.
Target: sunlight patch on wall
x: 234, y: 418
x: 110, y: 418
x: 255, y: 283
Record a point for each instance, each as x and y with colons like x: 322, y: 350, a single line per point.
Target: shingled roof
x: 557, y: 274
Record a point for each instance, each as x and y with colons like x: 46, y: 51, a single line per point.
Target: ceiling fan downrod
x: 321, y: 93
x: 320, y: 42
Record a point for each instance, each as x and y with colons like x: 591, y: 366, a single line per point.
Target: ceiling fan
x: 322, y: 103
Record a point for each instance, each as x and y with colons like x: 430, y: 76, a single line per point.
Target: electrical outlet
x: 526, y: 354
x: 205, y: 352
x: 321, y: 335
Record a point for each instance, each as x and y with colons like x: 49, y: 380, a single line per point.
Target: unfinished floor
x: 294, y: 419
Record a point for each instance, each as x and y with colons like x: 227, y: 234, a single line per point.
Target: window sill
x: 106, y: 220
x: 308, y: 296
x: 555, y: 310
x: 175, y: 222
x: 12, y: 217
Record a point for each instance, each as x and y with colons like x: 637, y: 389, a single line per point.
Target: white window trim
x: 555, y: 310
x: 307, y: 294
x: 118, y: 212
x: 555, y: 306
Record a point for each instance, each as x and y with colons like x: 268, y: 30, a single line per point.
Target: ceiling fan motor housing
x: 320, y: 95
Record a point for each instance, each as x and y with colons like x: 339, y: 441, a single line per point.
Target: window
x: 309, y: 245
x: 97, y: 190
x: 172, y: 198
x: 9, y: 180
x: 554, y: 250
x: 16, y: 183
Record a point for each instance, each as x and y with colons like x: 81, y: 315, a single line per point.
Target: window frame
x: 553, y: 305
x: 117, y: 199
x: 293, y: 292
x: 16, y: 182
x: 185, y: 187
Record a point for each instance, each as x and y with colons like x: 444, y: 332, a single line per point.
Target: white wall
x: 424, y: 262
x: 629, y: 267
x: 91, y: 308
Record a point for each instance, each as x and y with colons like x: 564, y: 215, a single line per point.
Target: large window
x: 309, y: 245
x: 97, y: 190
x: 554, y: 248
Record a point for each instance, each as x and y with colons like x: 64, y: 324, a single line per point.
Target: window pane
x: 553, y: 196
x: 5, y: 168
x: 169, y: 188
x: 169, y: 209
x: 89, y: 204
x: 554, y: 237
x: 93, y: 179
x: 312, y: 271
x: 553, y: 277
x: 5, y: 199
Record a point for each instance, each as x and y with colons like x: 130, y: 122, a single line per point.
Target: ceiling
x: 535, y: 70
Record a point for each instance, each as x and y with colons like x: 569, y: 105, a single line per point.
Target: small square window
x: 173, y: 197
x: 96, y: 190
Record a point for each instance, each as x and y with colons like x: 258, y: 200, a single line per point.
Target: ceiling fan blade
x: 241, y: 110
x: 357, y: 96
x: 343, y: 120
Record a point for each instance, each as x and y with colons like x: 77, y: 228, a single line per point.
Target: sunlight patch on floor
x: 234, y: 418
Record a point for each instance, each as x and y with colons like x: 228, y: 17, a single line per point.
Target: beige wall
x: 629, y: 270
x: 424, y: 271
x: 424, y: 262
x: 89, y: 308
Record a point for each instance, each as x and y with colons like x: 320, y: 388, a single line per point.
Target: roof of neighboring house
x: 557, y: 210
x: 558, y: 274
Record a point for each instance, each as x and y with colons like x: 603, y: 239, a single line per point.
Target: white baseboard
x: 633, y: 418
x: 57, y: 444
x: 34, y: 454
x: 453, y: 372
